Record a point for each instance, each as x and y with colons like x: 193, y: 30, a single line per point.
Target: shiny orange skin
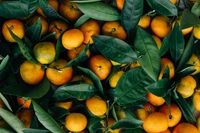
x: 16, y: 26
x: 25, y: 115
x: 61, y: 76
x: 196, y: 32
x: 184, y: 31
x: 24, y: 103
x: 184, y: 127
x: 65, y: 105
x: 144, y: 21
x: 155, y: 100
x: 100, y: 66
x: 119, y: 4
x: 157, y: 40
x: 69, y: 10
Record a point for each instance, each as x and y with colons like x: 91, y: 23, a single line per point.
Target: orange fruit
x: 24, y: 103
x: 65, y: 105
x: 100, y: 65
x: 16, y: 26
x: 25, y: 116
x: 31, y: 73
x: 144, y: 21
x: 58, y: 75
x: 196, y: 32
x: 173, y: 113
x: 184, y: 31
x: 160, y: 26
x: 157, y: 40
x: 119, y: 112
x: 75, y: 122
x: 155, y: 122
x: 155, y: 100
x: 96, y: 106
x: 53, y: 3
x: 166, y: 62
x: 134, y: 65
x: 114, y: 29
x: 83, y: 79
x: 173, y: 1
x: 109, y: 123
x: 44, y: 22
x: 144, y: 112
x: 186, y: 86
x: 58, y: 26
x: 195, y: 62
x: 90, y: 28
x: 45, y: 52
x: 198, y: 123
x: 119, y: 4
x: 196, y: 99
x: 115, y: 78
x: 184, y: 127
x: 69, y: 10
x: 72, y: 54
x: 166, y: 131
x: 72, y: 39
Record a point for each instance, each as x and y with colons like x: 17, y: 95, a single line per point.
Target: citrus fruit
x: 16, y: 26
x: 119, y: 4
x: 134, y: 65
x: 31, y: 73
x: 24, y: 103
x: 115, y: 78
x: 25, y: 115
x: 196, y: 99
x: 155, y: 100
x: 196, y: 32
x: 157, y: 40
x: 72, y: 54
x: 184, y: 31
x: 44, y: 52
x: 144, y: 21
x: 184, y: 127
x: 195, y: 62
x: 65, y: 105
x: 107, y: 124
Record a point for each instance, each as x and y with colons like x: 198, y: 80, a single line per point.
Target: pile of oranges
x: 64, y: 53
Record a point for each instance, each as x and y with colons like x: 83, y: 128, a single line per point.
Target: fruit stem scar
x: 113, y: 30
x: 99, y: 67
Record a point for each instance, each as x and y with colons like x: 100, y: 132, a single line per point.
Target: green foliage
x: 81, y: 20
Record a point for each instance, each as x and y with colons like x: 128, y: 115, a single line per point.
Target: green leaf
x: 137, y: 130
x: 84, y: 1
x: 185, y: 109
x: 31, y: 130
x: 81, y: 20
x: 165, y: 7
x: 12, y: 120
x: 160, y: 87
x: 78, y: 91
x: 114, y: 49
x: 82, y: 56
x: 127, y: 123
x: 188, y: 19
x: 177, y: 42
x: 94, y: 124
x: 148, y: 52
x: 46, y: 120
x: 23, y: 47
x: 165, y: 45
x: 34, y: 32
x: 196, y: 9
x: 5, y: 101
x: 18, y: 9
x: 131, y: 89
x: 184, y: 72
x: 58, y: 112
x: 93, y: 77
x: 59, y: 46
x: 4, y: 62
x: 5, y: 130
x: 131, y: 14
x: 187, y: 53
x: 94, y: 10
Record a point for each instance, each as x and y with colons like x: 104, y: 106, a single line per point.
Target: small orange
x: 24, y: 103
x: 160, y: 26
x: 58, y: 26
x: 134, y: 65
x: 25, y: 115
x: 96, y: 106
x: 45, y: 52
x: 184, y: 31
x: 69, y: 10
x: 144, y: 21
x: 119, y: 4
x: 173, y: 1
x: 16, y: 26
x: 155, y: 122
x: 196, y: 99
x: 166, y: 62
x: 114, y: 29
x: 90, y: 28
x: 75, y: 122
x: 72, y: 39
x: 65, y: 105
x: 155, y: 100
x: 195, y: 62
x: 31, y: 73
x: 72, y: 54
x: 166, y: 131
x: 58, y: 75
x: 157, y: 40
x: 184, y: 127
x: 106, y: 126
x: 115, y: 78
x: 196, y: 32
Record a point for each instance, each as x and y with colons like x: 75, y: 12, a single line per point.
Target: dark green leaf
x: 23, y: 47
x: 127, y: 123
x: 59, y: 46
x: 82, y: 56
x: 165, y: 45
x: 137, y: 130
x: 165, y: 7
x: 48, y: 36
x: 34, y: 31
x: 148, y: 52
x: 5, y: 130
x: 4, y: 62
x: 79, y: 91
x: 46, y: 120
x: 18, y: 9
x: 94, y: 124
x: 188, y: 19
x: 81, y: 20
x: 12, y: 120
x: 94, y: 10
x: 94, y: 78
x: 185, y: 109
x: 131, y: 89
x: 114, y: 49
x: 196, y: 8
x: 131, y: 14
x: 58, y: 112
x: 177, y: 42
x: 184, y: 72
x: 160, y: 87
x: 5, y: 101
x: 187, y: 53
x: 31, y: 130
x: 84, y: 1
